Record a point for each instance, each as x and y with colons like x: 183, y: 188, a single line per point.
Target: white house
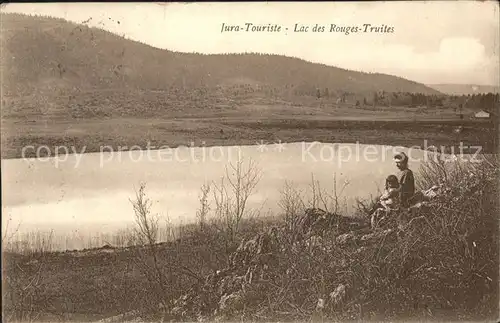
x: 482, y: 114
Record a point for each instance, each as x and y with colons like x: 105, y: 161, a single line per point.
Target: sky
x: 432, y: 42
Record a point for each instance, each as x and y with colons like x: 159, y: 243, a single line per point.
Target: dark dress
x: 407, y: 187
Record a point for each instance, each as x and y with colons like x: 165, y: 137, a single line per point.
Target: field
x: 243, y: 122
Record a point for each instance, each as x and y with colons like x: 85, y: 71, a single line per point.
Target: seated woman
x: 387, y: 202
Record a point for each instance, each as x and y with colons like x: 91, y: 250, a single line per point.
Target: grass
x: 440, y: 262
x: 104, y: 282
x: 90, y: 135
x: 87, y: 121
x: 27, y: 242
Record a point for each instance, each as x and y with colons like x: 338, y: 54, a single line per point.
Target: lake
x: 90, y: 192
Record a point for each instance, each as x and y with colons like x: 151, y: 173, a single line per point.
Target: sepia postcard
x: 250, y: 161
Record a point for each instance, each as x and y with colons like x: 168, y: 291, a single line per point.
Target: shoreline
x: 467, y: 149
x: 91, y: 136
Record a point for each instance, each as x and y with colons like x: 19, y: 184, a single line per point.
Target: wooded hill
x: 46, y: 54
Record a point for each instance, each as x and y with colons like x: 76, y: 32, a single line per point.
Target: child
x: 388, y: 201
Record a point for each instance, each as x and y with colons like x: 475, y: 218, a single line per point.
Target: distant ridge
x: 43, y: 54
x: 464, y: 89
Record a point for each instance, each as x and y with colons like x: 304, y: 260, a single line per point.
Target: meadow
x: 129, y: 122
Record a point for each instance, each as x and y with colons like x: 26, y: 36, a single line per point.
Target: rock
x: 354, y: 226
x: 361, y: 249
x: 312, y: 215
x: 321, y: 304
x: 226, y: 291
x: 132, y: 316
x: 346, y: 238
x: 428, y: 195
x: 249, y: 252
x: 432, y: 192
x: 375, y: 237
x: 338, y: 295
x: 314, y: 241
x: 231, y: 302
x: 231, y: 284
x: 418, y: 208
x: 379, y: 218
x: 317, y: 220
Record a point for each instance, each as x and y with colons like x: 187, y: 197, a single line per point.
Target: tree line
x: 482, y: 101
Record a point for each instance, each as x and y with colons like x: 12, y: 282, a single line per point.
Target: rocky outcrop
x: 318, y: 222
x: 226, y: 292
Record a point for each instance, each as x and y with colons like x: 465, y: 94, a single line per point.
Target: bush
x: 230, y: 197
x: 442, y: 264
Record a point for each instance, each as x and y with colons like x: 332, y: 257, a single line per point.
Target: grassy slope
x: 51, y: 52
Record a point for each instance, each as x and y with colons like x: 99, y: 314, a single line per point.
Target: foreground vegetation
x: 439, y: 261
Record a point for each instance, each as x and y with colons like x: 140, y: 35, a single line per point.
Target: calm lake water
x: 92, y: 191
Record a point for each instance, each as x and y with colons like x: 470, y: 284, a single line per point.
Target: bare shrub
x: 124, y: 238
x: 164, y: 277
x: 448, y: 169
x: 231, y: 197
x: 294, y: 204
x: 433, y: 171
x: 168, y: 231
x: 443, y: 262
x: 146, y: 222
x: 7, y: 236
x: 146, y: 234
x: 443, y: 256
x: 204, y: 208
x: 293, y: 209
x: 364, y: 205
x: 329, y: 200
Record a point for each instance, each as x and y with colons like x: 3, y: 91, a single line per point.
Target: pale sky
x: 432, y: 42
